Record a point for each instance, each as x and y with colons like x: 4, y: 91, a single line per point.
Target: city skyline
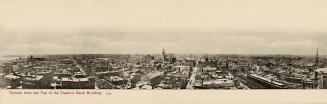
x: 163, y: 51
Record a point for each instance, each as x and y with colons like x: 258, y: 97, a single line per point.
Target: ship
x: 267, y: 82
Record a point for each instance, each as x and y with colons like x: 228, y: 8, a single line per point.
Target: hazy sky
x: 147, y: 26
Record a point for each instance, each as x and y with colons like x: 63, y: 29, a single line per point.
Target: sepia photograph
x: 163, y: 45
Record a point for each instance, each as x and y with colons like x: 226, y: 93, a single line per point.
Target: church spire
x: 317, y: 58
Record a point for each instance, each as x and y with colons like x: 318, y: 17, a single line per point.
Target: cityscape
x: 164, y: 71
x: 163, y: 51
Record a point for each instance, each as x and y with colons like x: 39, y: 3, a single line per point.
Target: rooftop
x: 321, y: 70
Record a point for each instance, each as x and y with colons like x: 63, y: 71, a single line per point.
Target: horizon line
x: 262, y: 54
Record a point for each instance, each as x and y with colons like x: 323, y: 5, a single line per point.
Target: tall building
x: 164, y: 54
x: 321, y: 77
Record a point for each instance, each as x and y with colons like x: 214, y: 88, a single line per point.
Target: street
x: 190, y: 84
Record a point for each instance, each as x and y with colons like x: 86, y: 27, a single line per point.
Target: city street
x: 80, y: 67
x: 190, y: 84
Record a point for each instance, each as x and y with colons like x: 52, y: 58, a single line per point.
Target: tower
x: 206, y: 58
x: 317, y: 58
x: 164, y: 54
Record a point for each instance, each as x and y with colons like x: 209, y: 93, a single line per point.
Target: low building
x: 153, y: 77
x: 12, y: 80
x: 32, y: 82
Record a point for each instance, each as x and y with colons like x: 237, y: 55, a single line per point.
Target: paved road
x: 190, y: 84
x: 80, y: 67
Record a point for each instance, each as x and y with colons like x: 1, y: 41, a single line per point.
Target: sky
x: 147, y: 26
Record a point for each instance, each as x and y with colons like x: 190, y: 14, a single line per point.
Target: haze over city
x: 147, y: 26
